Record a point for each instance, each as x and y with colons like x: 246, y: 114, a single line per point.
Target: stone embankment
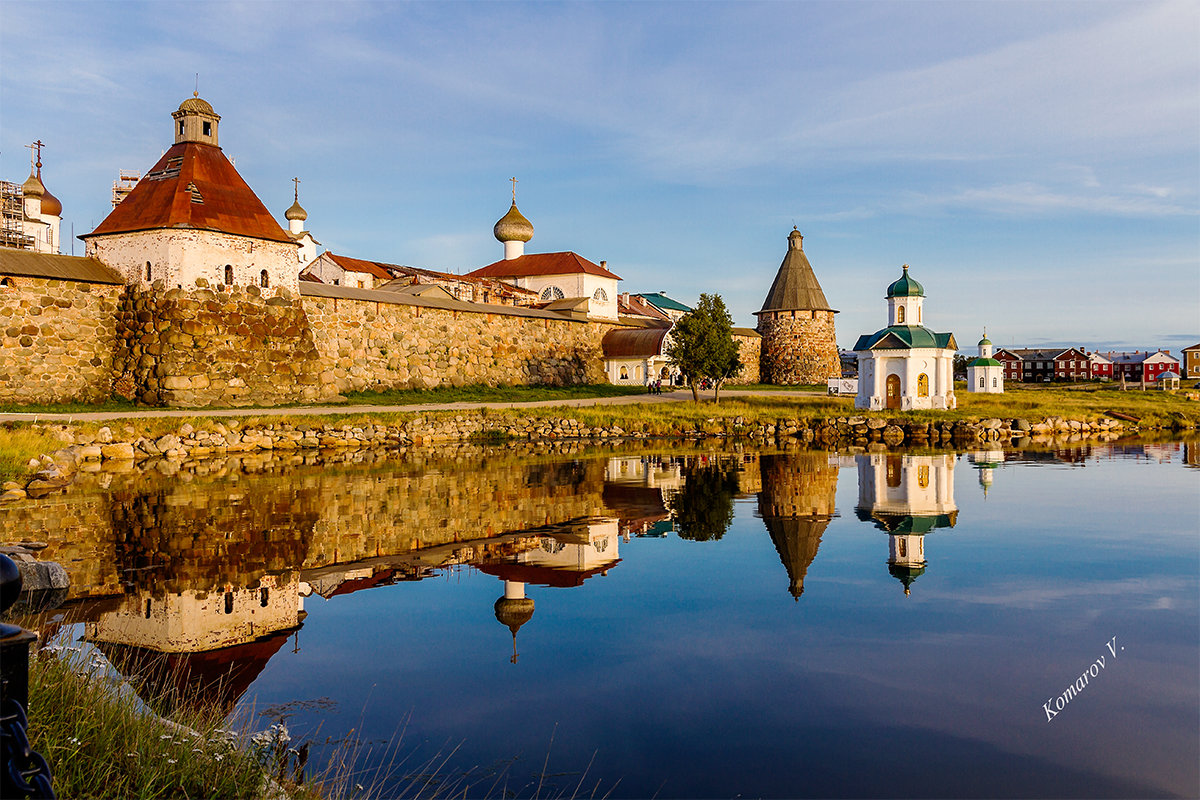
x: 117, y: 450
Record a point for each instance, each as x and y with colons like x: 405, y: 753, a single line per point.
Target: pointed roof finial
x: 296, y: 195
x: 514, y: 189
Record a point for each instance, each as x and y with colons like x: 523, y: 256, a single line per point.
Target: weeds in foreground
x: 19, y: 444
x: 100, y: 741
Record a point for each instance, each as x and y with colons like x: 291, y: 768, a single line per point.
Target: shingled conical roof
x: 796, y: 539
x: 795, y: 287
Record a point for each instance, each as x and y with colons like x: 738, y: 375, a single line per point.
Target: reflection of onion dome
x: 513, y: 227
x: 195, y: 104
x: 906, y: 287
x: 514, y: 612
x: 905, y: 574
x: 295, y: 212
x: 33, y: 187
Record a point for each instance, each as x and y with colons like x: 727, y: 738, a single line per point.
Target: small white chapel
x: 905, y: 365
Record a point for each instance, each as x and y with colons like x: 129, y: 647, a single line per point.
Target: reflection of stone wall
x: 165, y: 535
x: 56, y: 340
x: 797, y: 484
x: 427, y: 503
x: 77, y: 529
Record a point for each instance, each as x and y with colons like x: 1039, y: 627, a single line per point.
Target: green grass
x: 70, y: 408
x: 101, y: 742
x: 19, y: 444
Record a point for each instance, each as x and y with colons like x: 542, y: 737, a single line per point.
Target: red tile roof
x: 358, y: 265
x: 567, y: 263
x: 193, y: 186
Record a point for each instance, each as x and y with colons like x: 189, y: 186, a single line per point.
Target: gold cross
x: 514, y: 183
x: 297, y: 182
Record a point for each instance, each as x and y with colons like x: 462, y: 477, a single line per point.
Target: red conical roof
x: 193, y: 186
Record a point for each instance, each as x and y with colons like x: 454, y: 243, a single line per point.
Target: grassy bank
x: 101, y: 741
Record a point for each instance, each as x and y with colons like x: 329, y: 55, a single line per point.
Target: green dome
x: 985, y: 362
x: 984, y: 340
x: 906, y: 287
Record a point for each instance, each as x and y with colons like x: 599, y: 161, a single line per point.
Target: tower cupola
x: 905, y: 297
x: 296, y: 215
x: 513, y: 230
x: 195, y: 121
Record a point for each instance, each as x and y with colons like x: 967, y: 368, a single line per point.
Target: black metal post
x: 23, y: 772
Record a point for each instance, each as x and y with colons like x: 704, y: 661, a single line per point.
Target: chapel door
x: 893, y: 391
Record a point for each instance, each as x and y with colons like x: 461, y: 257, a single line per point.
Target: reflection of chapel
x: 907, y: 496
x: 905, y: 365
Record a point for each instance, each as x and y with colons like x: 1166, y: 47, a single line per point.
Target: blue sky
x: 1037, y: 165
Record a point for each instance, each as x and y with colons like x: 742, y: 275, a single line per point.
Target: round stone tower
x: 796, y: 324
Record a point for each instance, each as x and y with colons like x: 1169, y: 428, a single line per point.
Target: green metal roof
x: 984, y: 340
x: 985, y: 362
x: 907, y: 523
x: 905, y: 337
x: 660, y: 300
x: 905, y: 575
x: 906, y: 287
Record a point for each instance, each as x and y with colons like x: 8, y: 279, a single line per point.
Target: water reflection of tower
x: 567, y: 556
x: 796, y: 504
x: 986, y: 462
x: 907, y: 496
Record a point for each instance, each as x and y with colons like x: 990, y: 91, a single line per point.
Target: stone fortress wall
x: 68, y: 340
x: 798, y: 347
x: 57, y: 339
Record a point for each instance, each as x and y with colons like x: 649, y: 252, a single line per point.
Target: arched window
x: 922, y: 385
x: 263, y: 280
x: 923, y: 476
x: 994, y: 382
x: 624, y: 373
x: 229, y: 602
x: 600, y: 295
x: 148, y: 275
x: 228, y: 275
x: 901, y: 547
x: 5, y: 282
x: 262, y: 597
x: 981, y: 381
x: 899, y: 314
x: 552, y: 293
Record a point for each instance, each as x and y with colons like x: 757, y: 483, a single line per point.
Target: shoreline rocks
x: 123, y: 449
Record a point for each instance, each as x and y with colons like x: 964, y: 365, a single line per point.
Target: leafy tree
x: 703, y: 508
x: 702, y: 345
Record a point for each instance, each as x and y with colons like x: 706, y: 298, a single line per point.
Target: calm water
x: 777, y: 624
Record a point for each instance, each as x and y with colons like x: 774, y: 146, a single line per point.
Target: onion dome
x: 984, y: 340
x: 51, y: 205
x: 295, y: 212
x: 906, y: 287
x: 513, y: 227
x: 33, y: 187
x: 195, y: 104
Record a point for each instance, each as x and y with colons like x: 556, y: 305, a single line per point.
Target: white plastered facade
x: 600, y: 291
x: 178, y: 257
x: 907, y: 365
